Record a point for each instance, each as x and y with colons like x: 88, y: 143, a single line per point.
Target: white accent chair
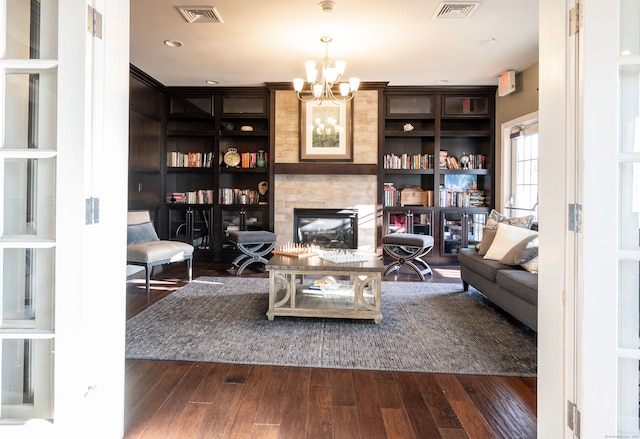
x: 145, y: 249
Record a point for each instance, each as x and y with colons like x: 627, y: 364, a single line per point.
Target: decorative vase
x: 260, y: 161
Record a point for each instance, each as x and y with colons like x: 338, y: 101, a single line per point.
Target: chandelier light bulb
x: 298, y: 83
x: 312, y: 72
x: 331, y: 75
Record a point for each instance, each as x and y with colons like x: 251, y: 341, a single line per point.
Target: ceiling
x: 398, y: 42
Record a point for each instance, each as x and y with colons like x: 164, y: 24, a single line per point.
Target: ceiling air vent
x: 456, y: 9
x: 200, y: 14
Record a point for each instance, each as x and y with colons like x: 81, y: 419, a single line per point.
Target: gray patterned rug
x: 426, y: 327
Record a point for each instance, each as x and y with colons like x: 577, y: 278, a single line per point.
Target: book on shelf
x: 476, y: 161
x: 408, y: 161
x: 443, y: 159
x: 391, y: 195
x: 249, y: 160
x: 452, y: 162
x: 461, y: 198
x: 200, y: 196
x: 177, y: 159
x: 238, y: 196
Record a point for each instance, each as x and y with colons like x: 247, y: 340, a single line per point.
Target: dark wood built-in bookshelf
x: 179, y: 137
x: 424, y: 132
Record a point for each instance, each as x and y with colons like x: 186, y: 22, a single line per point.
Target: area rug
x: 426, y: 327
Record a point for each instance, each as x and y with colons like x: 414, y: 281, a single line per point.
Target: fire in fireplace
x: 328, y: 228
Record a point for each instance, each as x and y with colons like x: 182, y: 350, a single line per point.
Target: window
x: 523, y: 199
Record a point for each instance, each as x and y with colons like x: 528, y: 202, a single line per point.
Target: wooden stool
x: 254, y: 245
x: 407, y: 249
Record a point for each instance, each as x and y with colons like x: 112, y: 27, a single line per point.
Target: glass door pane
x: 27, y: 285
x: 29, y: 197
x: 475, y: 227
x: 629, y: 221
x: 32, y: 30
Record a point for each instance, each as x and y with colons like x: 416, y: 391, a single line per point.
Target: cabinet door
x: 459, y: 105
x: 241, y: 219
x: 241, y: 105
x: 453, y: 224
x: 191, y: 225
x: 191, y: 106
x: 415, y: 220
x: 475, y: 226
x: 461, y: 229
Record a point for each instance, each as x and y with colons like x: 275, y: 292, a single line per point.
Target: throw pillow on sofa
x: 488, y: 235
x: 496, y: 218
x: 522, y: 252
x: 144, y: 232
x: 506, y: 238
x: 531, y: 266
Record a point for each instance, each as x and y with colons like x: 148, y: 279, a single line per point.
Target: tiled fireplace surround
x: 332, y: 191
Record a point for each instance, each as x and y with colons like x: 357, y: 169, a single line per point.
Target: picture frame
x: 325, y: 131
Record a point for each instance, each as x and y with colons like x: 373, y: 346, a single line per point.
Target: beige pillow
x: 522, y: 252
x: 531, y: 266
x: 487, y: 238
x: 496, y: 218
x: 506, y: 237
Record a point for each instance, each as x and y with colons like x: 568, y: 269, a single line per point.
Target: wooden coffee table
x: 357, y: 297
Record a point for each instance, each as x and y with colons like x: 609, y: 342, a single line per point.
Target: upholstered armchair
x: 145, y: 249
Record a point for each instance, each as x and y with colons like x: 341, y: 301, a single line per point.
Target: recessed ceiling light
x: 489, y: 40
x: 173, y: 43
x: 212, y: 82
x: 442, y: 81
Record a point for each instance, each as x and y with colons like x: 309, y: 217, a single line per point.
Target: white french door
x: 63, y: 151
x: 628, y: 161
x: 28, y: 165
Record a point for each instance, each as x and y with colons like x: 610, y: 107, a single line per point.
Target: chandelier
x: 321, y: 89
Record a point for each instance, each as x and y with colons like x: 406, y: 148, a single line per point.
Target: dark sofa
x: 512, y: 288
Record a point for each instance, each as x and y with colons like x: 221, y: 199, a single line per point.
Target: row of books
x: 177, y: 159
x: 201, y: 196
x: 408, y: 161
x: 250, y: 160
x: 468, y: 198
x: 473, y: 161
x: 238, y: 196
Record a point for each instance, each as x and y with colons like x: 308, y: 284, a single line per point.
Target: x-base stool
x: 407, y: 249
x: 254, y: 245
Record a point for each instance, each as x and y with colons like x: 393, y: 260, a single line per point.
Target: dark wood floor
x: 172, y: 399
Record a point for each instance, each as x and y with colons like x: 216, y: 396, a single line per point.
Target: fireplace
x: 328, y: 228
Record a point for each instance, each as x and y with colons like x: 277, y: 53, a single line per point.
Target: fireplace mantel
x: 326, y: 168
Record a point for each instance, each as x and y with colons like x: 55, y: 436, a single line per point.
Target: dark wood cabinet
x: 217, y: 156
x: 460, y: 229
x: 146, y: 138
x: 191, y: 223
x: 437, y: 161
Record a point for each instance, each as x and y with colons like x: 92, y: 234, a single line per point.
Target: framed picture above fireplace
x: 325, y: 131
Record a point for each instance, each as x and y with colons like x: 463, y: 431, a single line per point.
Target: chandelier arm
x: 311, y: 98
